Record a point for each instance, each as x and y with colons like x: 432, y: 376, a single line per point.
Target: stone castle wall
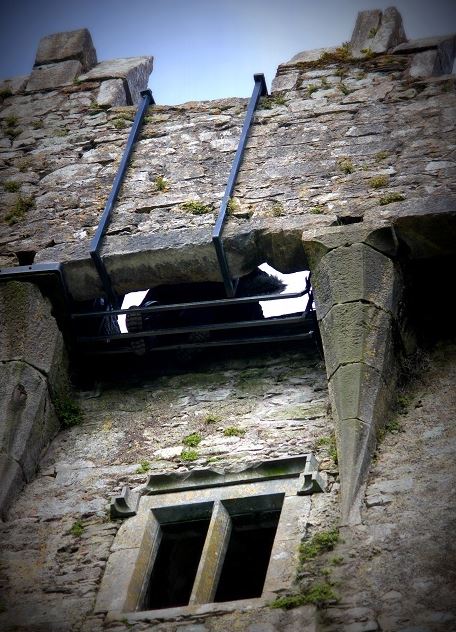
x: 349, y: 170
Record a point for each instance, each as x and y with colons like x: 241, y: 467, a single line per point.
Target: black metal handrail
x: 207, y: 345
x: 224, y: 302
x: 243, y: 324
x: 259, y: 90
x: 95, y: 244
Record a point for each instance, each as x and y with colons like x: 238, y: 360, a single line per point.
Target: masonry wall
x: 349, y: 169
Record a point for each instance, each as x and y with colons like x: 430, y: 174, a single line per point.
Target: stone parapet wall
x: 342, y: 139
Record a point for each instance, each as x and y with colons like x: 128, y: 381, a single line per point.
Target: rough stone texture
x: 377, y: 31
x: 384, y: 125
x: 341, y: 142
x: 13, y: 85
x: 112, y: 92
x: 28, y: 419
x: 439, y: 57
x: 68, y: 45
x: 397, y: 567
x: 134, y: 71
x: 53, y: 75
x: 29, y: 332
x: 357, y: 296
x: 355, y: 273
x: 32, y: 365
x: 280, y: 401
x: 425, y: 64
x: 354, y: 332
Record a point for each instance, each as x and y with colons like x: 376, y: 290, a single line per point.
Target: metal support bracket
x: 259, y: 90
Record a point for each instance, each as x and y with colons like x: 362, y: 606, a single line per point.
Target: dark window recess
x: 184, y: 530
x: 176, y: 564
x: 247, y: 556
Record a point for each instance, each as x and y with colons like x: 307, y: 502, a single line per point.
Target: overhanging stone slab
x: 423, y: 43
x: 134, y: 71
x: 184, y: 256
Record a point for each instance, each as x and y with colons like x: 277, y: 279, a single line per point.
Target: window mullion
x: 213, y: 556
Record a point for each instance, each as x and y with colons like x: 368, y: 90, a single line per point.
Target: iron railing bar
x: 216, y: 343
x: 259, y: 90
x: 95, y: 244
x: 245, y: 324
x: 197, y: 305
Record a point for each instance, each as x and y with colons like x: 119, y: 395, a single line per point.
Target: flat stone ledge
x: 417, y: 45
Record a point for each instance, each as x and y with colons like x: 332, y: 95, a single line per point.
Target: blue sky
x: 203, y: 49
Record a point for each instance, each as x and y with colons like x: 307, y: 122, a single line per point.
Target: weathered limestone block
x: 317, y: 243
x: 425, y: 64
x: 310, y: 55
x: 357, y: 291
x: 355, y: 273
x: 112, y: 92
x: 67, y: 45
x: 27, y: 424
x: 28, y: 420
x: 134, y: 71
x: 354, y: 332
x: 433, y: 55
x: 284, y: 82
x: 360, y: 399
x: 53, y: 75
x: 12, y: 482
x: 14, y: 85
x: 377, y: 31
x: 29, y: 331
x: 188, y: 255
x: 355, y: 391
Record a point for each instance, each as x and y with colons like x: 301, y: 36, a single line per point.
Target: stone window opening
x: 208, y: 539
x: 212, y: 553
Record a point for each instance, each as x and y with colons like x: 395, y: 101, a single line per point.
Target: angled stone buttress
x: 357, y: 289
